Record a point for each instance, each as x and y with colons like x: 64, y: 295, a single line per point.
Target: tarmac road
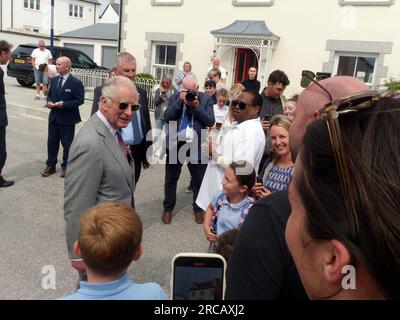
x: 31, y: 213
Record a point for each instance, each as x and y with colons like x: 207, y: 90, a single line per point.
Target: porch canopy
x: 251, y: 34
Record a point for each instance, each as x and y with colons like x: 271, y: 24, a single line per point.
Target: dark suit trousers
x: 172, y: 173
x: 59, y: 133
x: 3, y: 152
x: 139, y: 156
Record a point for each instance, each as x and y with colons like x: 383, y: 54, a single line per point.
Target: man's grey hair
x: 124, y: 56
x: 110, y: 89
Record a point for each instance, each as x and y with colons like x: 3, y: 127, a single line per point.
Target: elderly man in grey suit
x: 100, y: 165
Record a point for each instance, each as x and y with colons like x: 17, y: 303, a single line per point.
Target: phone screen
x: 198, y: 278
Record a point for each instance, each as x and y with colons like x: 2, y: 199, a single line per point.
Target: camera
x: 190, y: 95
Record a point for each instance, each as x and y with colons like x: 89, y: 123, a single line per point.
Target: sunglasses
x: 331, y: 112
x: 241, y: 105
x: 124, y: 105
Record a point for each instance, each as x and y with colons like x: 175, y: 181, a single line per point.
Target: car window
x: 85, y: 60
x: 22, y: 52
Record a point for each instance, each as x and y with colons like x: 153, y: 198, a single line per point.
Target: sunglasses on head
x: 331, y: 112
x: 124, y: 105
x: 241, y: 105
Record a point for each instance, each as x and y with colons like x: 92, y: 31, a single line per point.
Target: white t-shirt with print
x: 41, y: 56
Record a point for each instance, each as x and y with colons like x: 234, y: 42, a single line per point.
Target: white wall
x: 42, y: 19
x: 97, y: 46
x: 304, y: 26
x: 110, y: 16
x: 16, y: 39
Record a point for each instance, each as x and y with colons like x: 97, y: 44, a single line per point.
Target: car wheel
x: 25, y: 83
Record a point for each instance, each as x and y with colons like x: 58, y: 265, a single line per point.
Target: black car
x: 20, y: 65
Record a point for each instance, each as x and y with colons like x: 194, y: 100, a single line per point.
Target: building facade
x: 35, y: 15
x: 340, y: 37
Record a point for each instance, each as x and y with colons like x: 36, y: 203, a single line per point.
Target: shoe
x: 44, y: 97
x: 166, y: 217
x: 4, y: 183
x: 63, y: 172
x: 48, y: 171
x: 37, y: 97
x: 199, y: 217
x: 189, y: 189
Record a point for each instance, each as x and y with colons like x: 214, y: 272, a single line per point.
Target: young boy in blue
x: 110, y: 236
x: 229, y: 208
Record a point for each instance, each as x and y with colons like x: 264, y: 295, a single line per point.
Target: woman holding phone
x: 277, y: 174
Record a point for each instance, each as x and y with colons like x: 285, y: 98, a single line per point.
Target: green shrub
x: 392, y: 84
x: 145, y: 76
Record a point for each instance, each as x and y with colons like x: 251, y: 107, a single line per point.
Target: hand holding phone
x: 198, y: 276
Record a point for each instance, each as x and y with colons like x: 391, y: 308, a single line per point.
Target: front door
x: 245, y: 58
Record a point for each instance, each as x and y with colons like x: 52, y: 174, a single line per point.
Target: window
x: 252, y: 2
x: 32, y: 4
x: 164, y: 59
x: 166, y: 2
x: 359, y: 66
x: 366, y: 2
x: 75, y: 11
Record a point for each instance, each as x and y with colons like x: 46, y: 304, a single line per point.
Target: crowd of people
x: 290, y: 191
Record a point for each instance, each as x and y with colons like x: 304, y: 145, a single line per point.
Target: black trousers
x: 59, y: 133
x: 3, y: 152
x: 172, y: 174
x: 139, y: 156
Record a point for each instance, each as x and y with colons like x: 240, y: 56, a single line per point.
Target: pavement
x: 32, y: 236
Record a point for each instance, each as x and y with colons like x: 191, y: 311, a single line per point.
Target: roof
x: 115, y: 6
x: 91, y: 1
x: 245, y: 28
x: 102, y: 31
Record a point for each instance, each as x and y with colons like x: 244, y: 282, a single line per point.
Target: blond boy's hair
x: 109, y: 236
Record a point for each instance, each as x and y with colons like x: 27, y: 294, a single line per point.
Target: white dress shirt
x: 244, y: 141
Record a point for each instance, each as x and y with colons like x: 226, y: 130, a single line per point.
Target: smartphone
x: 259, y: 180
x: 198, y: 276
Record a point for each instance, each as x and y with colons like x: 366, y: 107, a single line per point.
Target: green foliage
x: 392, y: 84
x: 145, y: 76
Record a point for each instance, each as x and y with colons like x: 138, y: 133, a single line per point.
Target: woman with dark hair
x: 252, y: 83
x: 344, y: 228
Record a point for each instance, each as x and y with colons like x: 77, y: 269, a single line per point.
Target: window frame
x: 357, y: 55
x: 155, y: 65
x: 166, y: 2
x: 36, y: 5
x: 366, y: 2
x: 253, y: 3
x: 77, y: 9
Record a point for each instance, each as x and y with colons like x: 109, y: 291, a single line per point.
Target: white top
x: 244, y: 141
x: 222, y: 69
x: 52, y: 72
x: 220, y: 113
x: 41, y: 56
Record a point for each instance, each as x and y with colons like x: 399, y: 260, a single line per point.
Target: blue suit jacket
x: 203, y: 117
x: 73, y: 95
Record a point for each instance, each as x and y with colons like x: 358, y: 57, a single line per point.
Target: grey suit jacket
x: 97, y: 172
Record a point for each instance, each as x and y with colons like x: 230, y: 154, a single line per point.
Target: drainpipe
x: 1, y: 14
x: 12, y: 14
x: 120, y: 24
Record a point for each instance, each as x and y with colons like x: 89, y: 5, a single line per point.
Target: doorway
x: 245, y: 58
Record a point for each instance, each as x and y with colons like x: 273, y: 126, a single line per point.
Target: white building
x: 110, y: 14
x: 35, y: 15
x: 348, y: 37
x: 98, y: 41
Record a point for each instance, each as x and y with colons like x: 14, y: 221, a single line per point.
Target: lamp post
x: 52, y: 28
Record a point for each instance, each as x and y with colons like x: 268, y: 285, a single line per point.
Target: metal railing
x: 96, y: 78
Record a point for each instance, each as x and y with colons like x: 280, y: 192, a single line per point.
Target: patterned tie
x: 124, y: 148
x: 59, y: 86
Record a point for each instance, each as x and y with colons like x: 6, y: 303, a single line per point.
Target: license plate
x: 19, y: 61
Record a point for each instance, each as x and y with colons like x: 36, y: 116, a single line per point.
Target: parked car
x: 20, y: 65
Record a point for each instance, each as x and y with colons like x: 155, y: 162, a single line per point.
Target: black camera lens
x: 190, y: 95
